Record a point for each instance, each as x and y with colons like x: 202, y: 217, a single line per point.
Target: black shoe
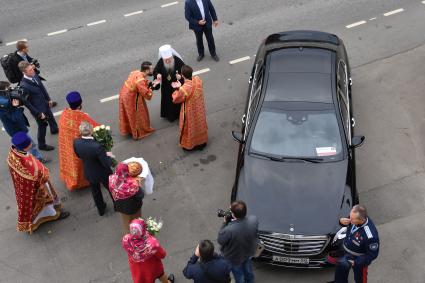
x: 200, y: 57
x: 46, y: 147
x: 64, y: 214
x: 102, y: 210
x: 55, y: 132
x: 45, y: 160
x: 201, y: 146
x: 171, y: 278
x: 54, y: 104
x: 215, y: 57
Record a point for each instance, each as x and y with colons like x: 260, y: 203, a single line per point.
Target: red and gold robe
x: 193, y: 122
x: 37, y: 199
x: 70, y: 166
x: 134, y: 114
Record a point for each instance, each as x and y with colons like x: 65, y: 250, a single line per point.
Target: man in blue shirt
x: 201, y: 16
x: 361, y: 246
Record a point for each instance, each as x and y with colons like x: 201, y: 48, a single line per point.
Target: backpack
x: 6, y: 62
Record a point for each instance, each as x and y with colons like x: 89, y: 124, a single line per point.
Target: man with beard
x: 168, y: 70
x: 134, y: 114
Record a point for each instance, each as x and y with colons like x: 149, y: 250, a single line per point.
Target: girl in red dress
x: 144, y: 255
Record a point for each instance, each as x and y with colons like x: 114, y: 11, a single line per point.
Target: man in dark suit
x: 201, y: 17
x: 96, y: 163
x: 39, y: 103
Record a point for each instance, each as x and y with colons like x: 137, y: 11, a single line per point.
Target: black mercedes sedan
x: 296, y: 162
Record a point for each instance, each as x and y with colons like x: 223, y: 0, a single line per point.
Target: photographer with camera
x: 238, y: 238
x: 10, y: 62
x: 205, y: 266
x: 12, y: 114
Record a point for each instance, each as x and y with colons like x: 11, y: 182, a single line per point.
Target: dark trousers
x: 342, y: 270
x: 200, y: 40
x: 42, y: 126
x: 97, y: 194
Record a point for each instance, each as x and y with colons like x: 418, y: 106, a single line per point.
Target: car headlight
x: 341, y: 234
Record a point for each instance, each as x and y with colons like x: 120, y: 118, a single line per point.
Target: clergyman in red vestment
x: 193, y: 122
x: 37, y: 199
x: 70, y: 166
x: 134, y: 114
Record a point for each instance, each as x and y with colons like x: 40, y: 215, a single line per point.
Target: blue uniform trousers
x: 343, y: 267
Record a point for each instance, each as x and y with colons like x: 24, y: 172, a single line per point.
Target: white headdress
x: 166, y: 51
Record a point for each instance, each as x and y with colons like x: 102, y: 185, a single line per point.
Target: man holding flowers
x: 97, y: 162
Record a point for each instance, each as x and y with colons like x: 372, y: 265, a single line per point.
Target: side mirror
x: 357, y: 141
x: 237, y: 136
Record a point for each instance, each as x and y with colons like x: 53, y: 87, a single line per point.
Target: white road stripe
x: 169, y: 4
x: 14, y: 42
x: 355, y: 24
x: 393, y: 12
x: 96, y: 23
x: 133, y: 13
x: 201, y: 71
x: 371, y: 19
x: 106, y: 99
x: 57, y: 32
x: 239, y: 60
x: 423, y: 2
x: 57, y: 113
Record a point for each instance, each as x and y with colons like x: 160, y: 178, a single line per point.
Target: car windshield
x: 280, y: 133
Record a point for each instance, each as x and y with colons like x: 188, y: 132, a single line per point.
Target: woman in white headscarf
x: 168, y: 70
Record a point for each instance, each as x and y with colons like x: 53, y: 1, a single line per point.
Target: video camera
x: 6, y: 97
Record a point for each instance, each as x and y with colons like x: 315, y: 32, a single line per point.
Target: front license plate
x: 296, y: 260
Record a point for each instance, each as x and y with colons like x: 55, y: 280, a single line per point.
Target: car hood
x: 305, y: 196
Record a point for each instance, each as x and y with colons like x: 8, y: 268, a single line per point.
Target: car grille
x: 294, y: 245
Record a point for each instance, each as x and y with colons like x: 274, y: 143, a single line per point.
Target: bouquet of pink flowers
x: 102, y: 134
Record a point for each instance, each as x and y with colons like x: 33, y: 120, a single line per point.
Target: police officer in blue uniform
x: 361, y: 246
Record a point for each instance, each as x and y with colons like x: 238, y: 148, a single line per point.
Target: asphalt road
x: 386, y: 46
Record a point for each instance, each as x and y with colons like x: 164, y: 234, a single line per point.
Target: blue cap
x: 21, y: 140
x: 74, y: 99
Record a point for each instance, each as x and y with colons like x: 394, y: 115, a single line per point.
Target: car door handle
x: 243, y: 118
x: 353, y: 122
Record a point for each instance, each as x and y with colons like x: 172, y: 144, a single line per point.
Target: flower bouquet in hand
x: 102, y: 134
x: 153, y: 226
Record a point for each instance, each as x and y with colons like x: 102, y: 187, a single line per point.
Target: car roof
x: 300, y: 74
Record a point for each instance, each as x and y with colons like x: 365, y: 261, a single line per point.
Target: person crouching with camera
x: 12, y: 115
x: 238, y: 238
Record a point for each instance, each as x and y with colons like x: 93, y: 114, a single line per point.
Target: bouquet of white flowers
x: 102, y: 134
x: 153, y: 226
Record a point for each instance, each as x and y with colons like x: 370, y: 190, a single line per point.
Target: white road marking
x: 393, y: 12
x: 106, y: 99
x: 201, y: 71
x: 57, y: 32
x: 355, y: 24
x: 96, y: 23
x: 423, y: 2
x: 133, y: 13
x: 239, y: 60
x: 14, y: 42
x: 371, y: 19
x: 169, y: 4
x: 57, y: 113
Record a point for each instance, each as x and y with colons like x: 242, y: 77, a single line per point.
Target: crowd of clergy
x: 85, y: 163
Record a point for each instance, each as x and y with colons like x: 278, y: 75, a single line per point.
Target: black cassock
x: 169, y: 110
